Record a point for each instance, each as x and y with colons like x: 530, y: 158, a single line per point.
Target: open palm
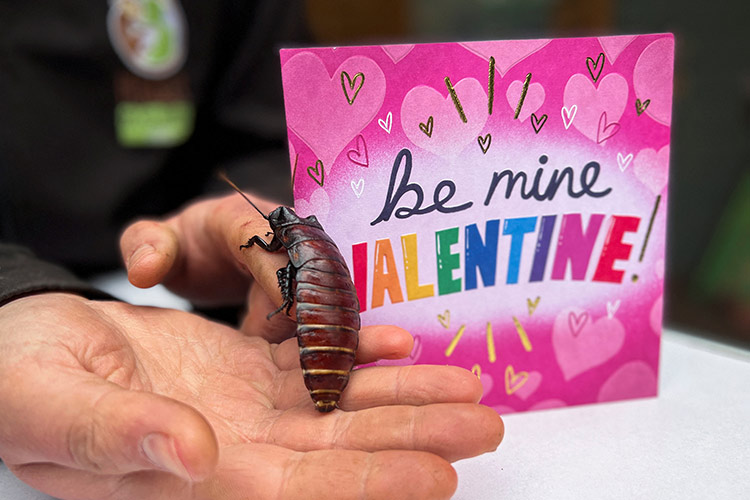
x: 231, y: 413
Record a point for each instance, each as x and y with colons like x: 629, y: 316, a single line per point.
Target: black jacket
x: 68, y: 185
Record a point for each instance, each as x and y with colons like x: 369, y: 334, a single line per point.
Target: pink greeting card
x: 504, y: 201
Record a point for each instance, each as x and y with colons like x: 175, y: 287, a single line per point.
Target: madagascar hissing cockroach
x: 318, y: 278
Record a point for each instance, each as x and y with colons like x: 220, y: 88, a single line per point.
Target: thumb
x: 149, y: 249
x: 100, y: 427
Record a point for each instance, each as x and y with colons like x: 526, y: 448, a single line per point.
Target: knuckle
x: 144, y: 226
x: 86, y: 440
x: 136, y: 231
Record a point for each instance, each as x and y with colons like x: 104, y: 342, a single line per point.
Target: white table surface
x: 692, y: 441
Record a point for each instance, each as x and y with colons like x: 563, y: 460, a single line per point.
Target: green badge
x: 154, y: 123
x: 154, y: 106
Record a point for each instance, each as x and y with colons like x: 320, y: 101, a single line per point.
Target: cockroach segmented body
x: 318, y: 279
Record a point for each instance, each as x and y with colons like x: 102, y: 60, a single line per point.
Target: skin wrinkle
x: 278, y: 386
x: 413, y: 427
x: 366, y: 475
x: 403, y: 373
x: 81, y: 437
x: 293, y: 464
x: 341, y: 428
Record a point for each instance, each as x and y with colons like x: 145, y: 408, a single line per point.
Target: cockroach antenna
x: 223, y: 176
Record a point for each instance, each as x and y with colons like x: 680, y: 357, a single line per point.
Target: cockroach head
x: 282, y: 216
x: 285, y: 216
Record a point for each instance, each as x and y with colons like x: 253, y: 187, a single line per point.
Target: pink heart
x: 576, y: 322
x: 606, y: 129
x: 506, y: 53
x: 416, y: 352
x: 533, y: 101
x: 609, y: 97
x: 317, y: 104
x: 319, y: 205
x: 487, y: 384
x: 614, y: 45
x: 532, y: 383
x: 358, y: 155
x: 595, y: 343
x: 652, y: 79
x: 635, y: 379
x: 450, y: 134
x: 652, y: 168
x: 397, y: 52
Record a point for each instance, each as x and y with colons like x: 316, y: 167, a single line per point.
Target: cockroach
x: 318, y: 279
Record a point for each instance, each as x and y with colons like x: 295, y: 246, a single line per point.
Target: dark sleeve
x: 21, y: 274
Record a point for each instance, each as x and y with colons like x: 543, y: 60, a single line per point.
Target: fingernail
x: 139, y: 253
x: 160, y: 450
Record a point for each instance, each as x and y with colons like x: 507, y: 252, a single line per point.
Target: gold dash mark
x: 650, y: 227
x: 294, y: 170
x: 456, y: 102
x: 522, y: 334
x: 491, y: 86
x: 454, y: 342
x: 490, y: 344
x: 523, y: 96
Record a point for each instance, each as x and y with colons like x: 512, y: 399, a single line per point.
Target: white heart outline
x: 358, y: 187
x: 387, y: 123
x: 571, y: 114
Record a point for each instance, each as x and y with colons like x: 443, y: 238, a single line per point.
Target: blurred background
x: 708, y: 262
x: 66, y: 42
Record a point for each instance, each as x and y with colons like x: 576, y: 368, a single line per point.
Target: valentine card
x: 504, y: 201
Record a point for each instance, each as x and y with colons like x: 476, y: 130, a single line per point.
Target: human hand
x: 196, y: 254
x: 109, y: 401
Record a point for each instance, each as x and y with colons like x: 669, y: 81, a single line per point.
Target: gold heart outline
x: 445, y: 319
x: 319, y: 170
x: 427, y: 128
x: 532, y: 305
x: 512, y: 382
x: 589, y: 61
x: 487, y: 139
x: 538, y: 123
x: 640, y: 107
x: 352, y: 83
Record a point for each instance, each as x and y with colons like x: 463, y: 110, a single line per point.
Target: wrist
x: 23, y: 274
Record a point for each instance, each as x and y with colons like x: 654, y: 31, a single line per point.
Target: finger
x: 410, y: 385
x: 266, y: 472
x: 232, y: 224
x: 338, y: 474
x: 375, y: 342
x: 390, y: 385
x: 453, y: 431
x: 196, y: 253
x: 150, y: 249
x: 89, y: 424
x: 256, y: 323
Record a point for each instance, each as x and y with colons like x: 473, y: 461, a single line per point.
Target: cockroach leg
x: 285, y: 276
x: 273, y: 246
